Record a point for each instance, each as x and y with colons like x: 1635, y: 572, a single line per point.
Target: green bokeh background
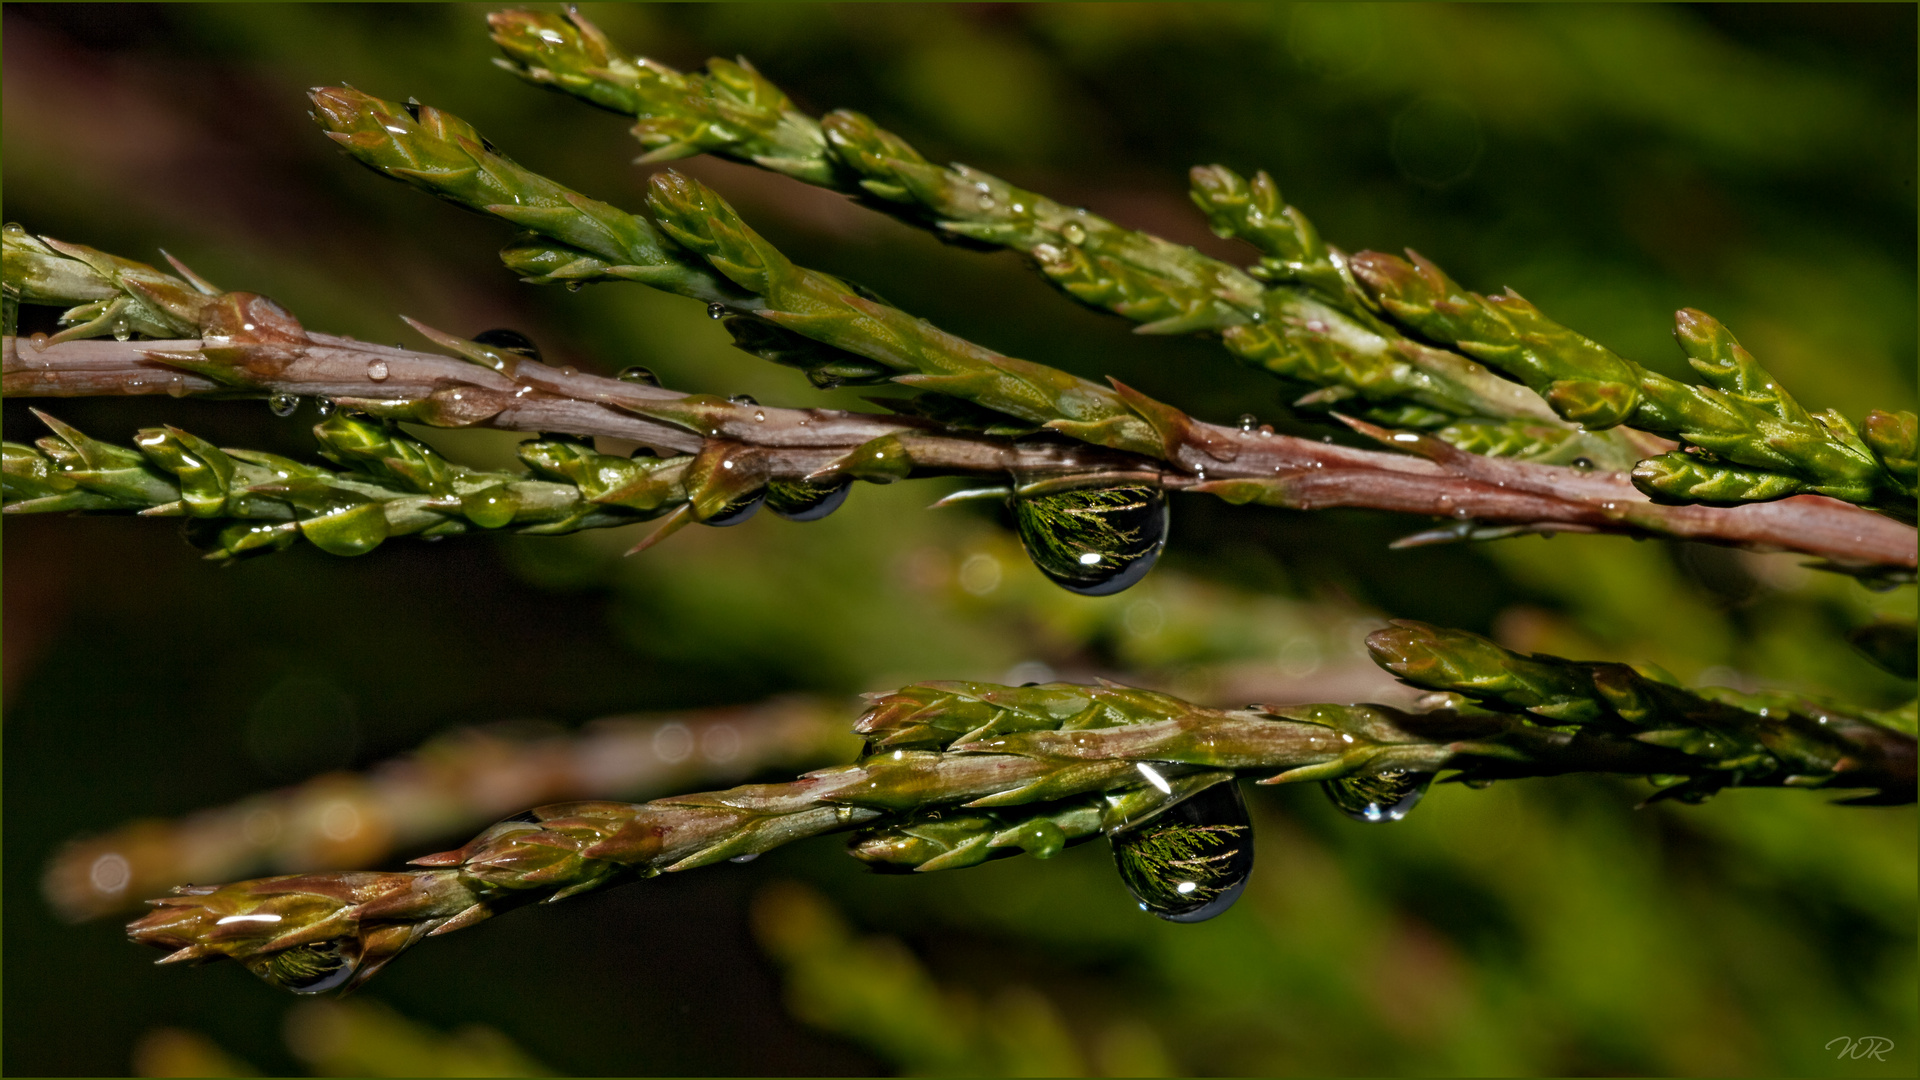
x: 1612, y: 163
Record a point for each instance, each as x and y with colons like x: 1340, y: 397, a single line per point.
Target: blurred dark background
x: 1610, y: 162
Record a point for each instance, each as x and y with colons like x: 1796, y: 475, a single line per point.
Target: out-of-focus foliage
x: 358, y: 1037
x: 1612, y: 163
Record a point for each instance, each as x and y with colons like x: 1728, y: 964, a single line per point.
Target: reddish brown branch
x: 1241, y: 466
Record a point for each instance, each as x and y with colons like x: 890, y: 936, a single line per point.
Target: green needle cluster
x: 1746, y: 438
x: 956, y: 774
x: 111, y: 295
x: 1739, y: 738
x: 1309, y: 323
x: 243, y: 502
x: 442, y: 154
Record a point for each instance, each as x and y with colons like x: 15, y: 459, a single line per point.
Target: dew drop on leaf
x: 737, y: 511
x: 312, y: 968
x: 505, y: 340
x: 643, y: 376
x: 1248, y: 421
x: 797, y: 500
x: 716, y: 309
x: 743, y: 399
x: 283, y: 405
x: 1192, y: 861
x: 1093, y: 541
x: 1387, y: 796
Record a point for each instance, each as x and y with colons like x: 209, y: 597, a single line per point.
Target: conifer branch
x: 1303, y: 320
x: 455, y: 783
x: 956, y: 773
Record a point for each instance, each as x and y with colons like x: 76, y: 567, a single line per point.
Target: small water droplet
x: 1387, y: 796
x: 738, y: 511
x: 576, y: 286
x: 1094, y: 541
x: 121, y: 330
x: 747, y: 858
x: 177, y: 386
x: 1248, y: 421
x: 797, y: 500
x: 14, y: 228
x: 311, y: 968
x: 506, y: 340
x: 325, y: 405
x: 38, y: 341
x: 716, y: 309
x: 759, y: 417
x: 1073, y: 233
x: 1192, y: 861
x: 985, y: 202
x: 377, y: 370
x: 284, y: 405
x: 639, y: 375
x: 1583, y: 463
x: 742, y: 399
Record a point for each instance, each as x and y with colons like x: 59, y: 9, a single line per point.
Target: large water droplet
x: 737, y: 511
x: 797, y: 500
x: 716, y: 309
x: 1248, y: 421
x: 638, y: 374
x: 324, y: 405
x: 1192, y: 861
x: 313, y: 968
x: 377, y: 370
x: 283, y: 405
x: 505, y: 340
x: 743, y: 399
x: 1094, y: 541
x: 121, y: 330
x: 1387, y: 796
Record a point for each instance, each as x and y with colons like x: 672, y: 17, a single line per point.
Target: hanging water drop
x: 716, y: 309
x: 737, y: 511
x: 576, y: 286
x: 324, y: 405
x: 797, y: 500
x: 1192, y: 861
x: 742, y: 399
x: 377, y: 370
x: 1073, y: 233
x: 639, y: 375
x: 1095, y: 541
x: 1248, y: 421
x: 1387, y: 796
x: 283, y: 405
x: 505, y: 340
x: 312, y: 968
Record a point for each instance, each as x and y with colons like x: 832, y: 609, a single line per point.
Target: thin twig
x: 1241, y: 466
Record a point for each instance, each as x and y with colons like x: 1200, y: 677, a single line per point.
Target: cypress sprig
x: 244, y: 502
x: 1311, y: 326
x: 111, y: 295
x: 1744, y: 418
x: 251, y: 346
x: 1033, y: 769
